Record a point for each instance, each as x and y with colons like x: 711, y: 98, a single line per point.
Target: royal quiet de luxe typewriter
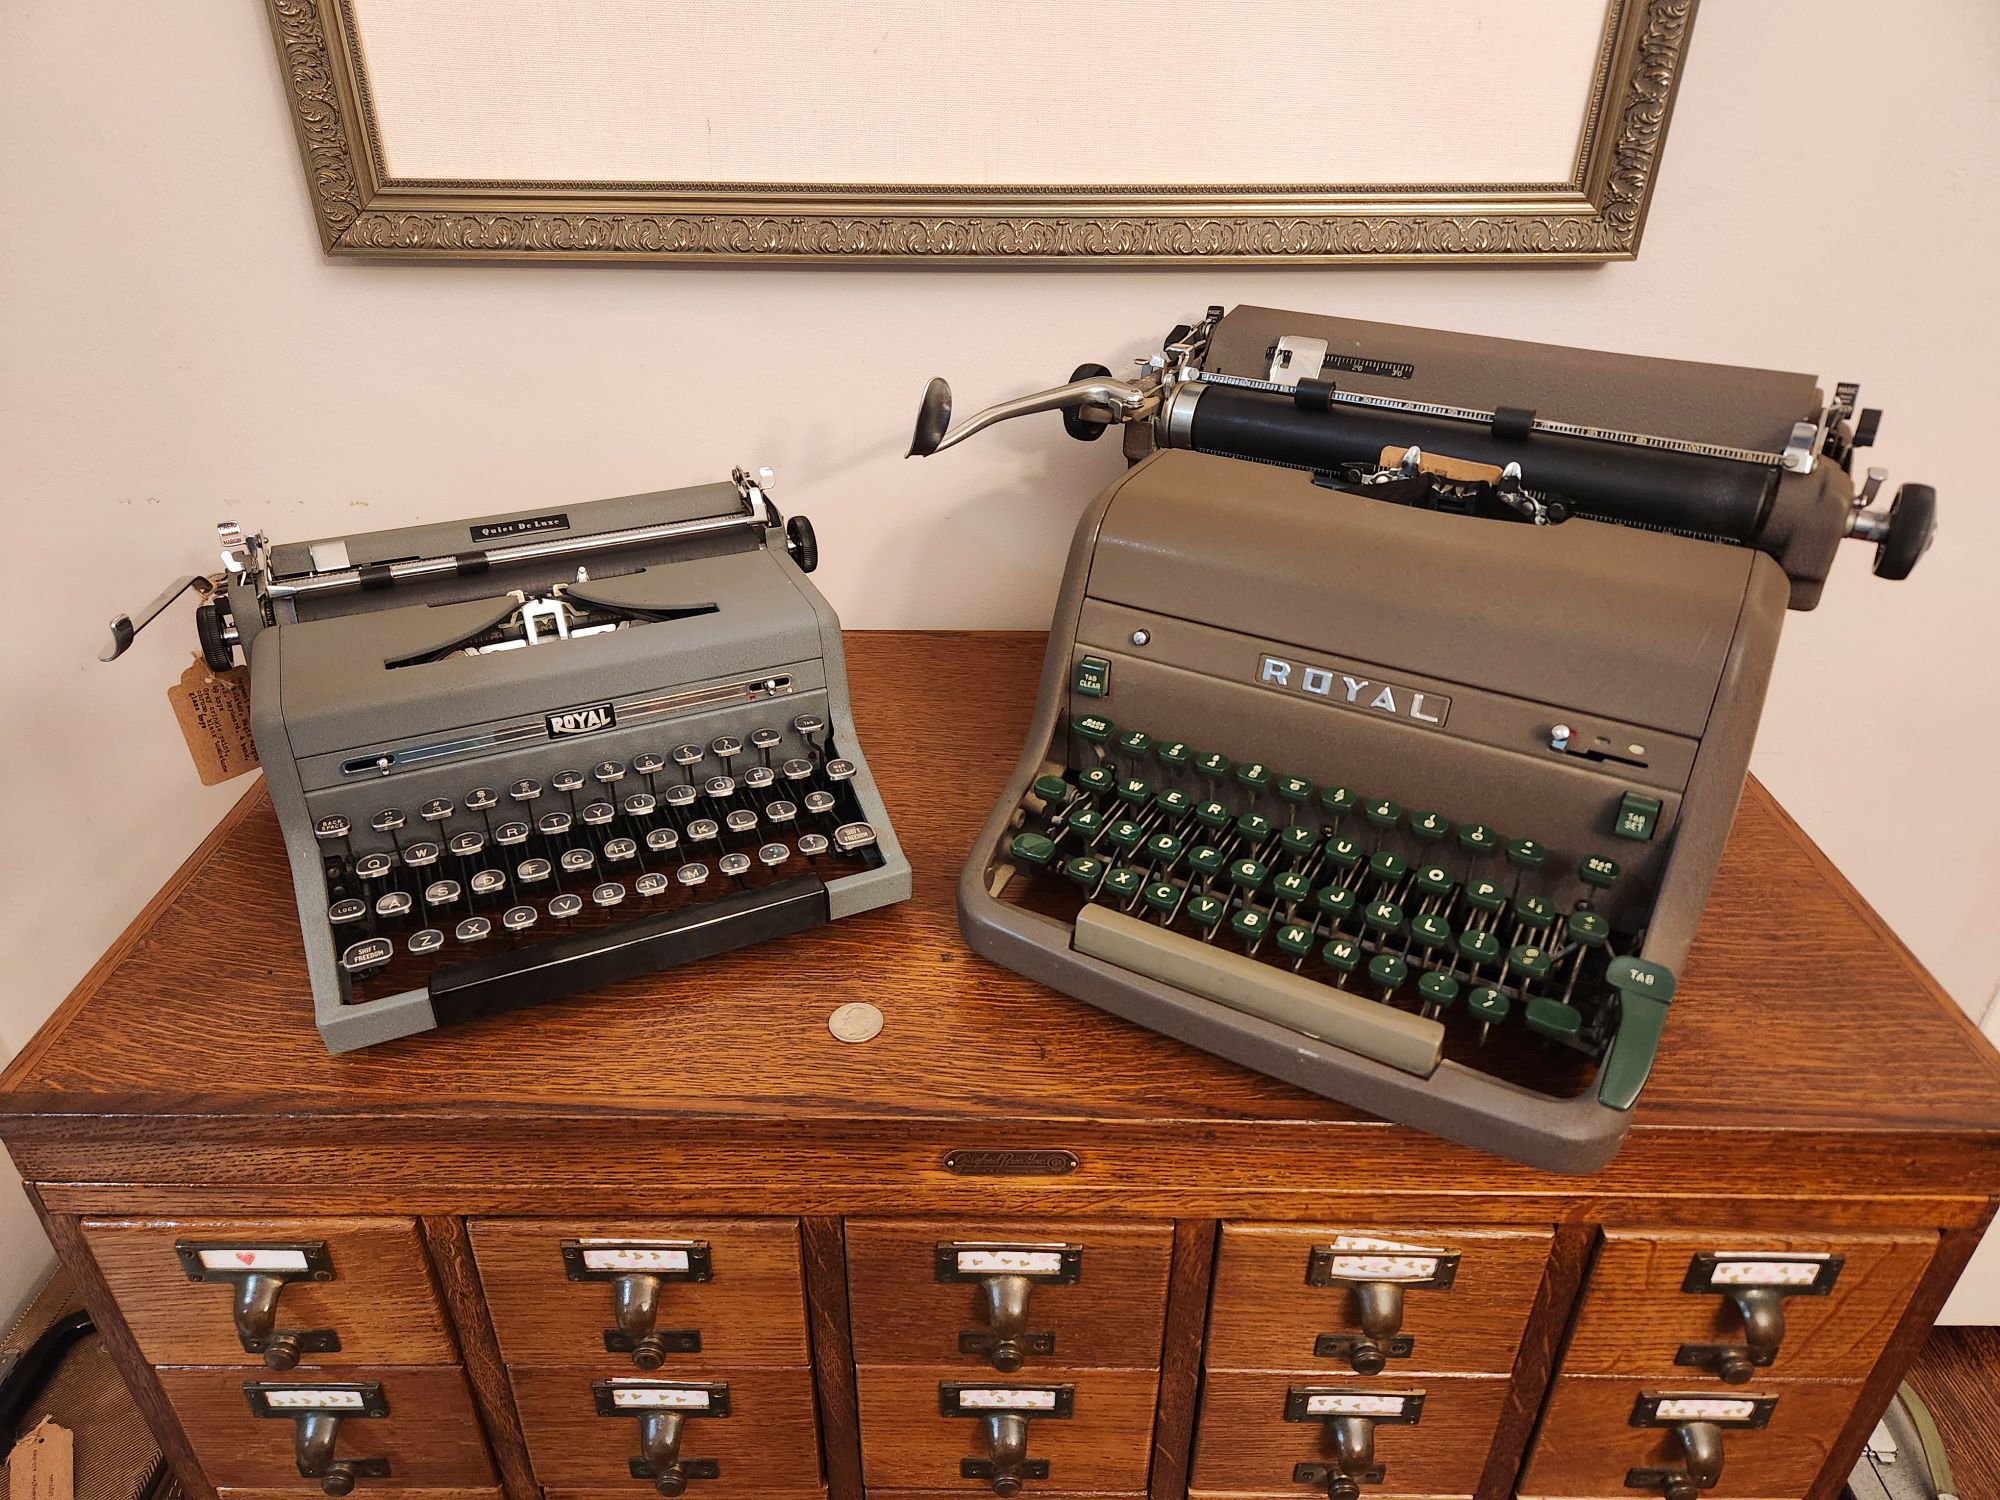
x: 525, y: 755
x: 1398, y: 701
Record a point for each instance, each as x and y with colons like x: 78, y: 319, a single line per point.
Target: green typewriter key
x: 1534, y: 911
x: 1253, y: 776
x: 1341, y: 956
x: 1488, y: 1006
x: 1086, y: 821
x: 1337, y: 800
x: 1596, y: 870
x: 1342, y: 854
x: 1435, y: 880
x: 1477, y: 838
x: 1172, y: 801
x: 1438, y: 991
x: 1250, y: 924
x: 1553, y: 1019
x: 1638, y: 977
x: 1428, y: 826
x: 1173, y: 754
x: 1212, y: 765
x: 1206, y: 858
x: 1214, y: 815
x: 1123, y: 833
x: 1388, y: 970
x: 1386, y: 866
x: 1484, y: 895
x: 1097, y: 779
x: 1254, y: 827
x: 1385, y: 917
x: 1530, y: 960
x: 1163, y: 848
x: 1430, y: 932
x: 1526, y: 854
x: 1295, y: 939
x: 1247, y: 874
x: 1136, y: 791
x: 1291, y: 886
x: 1052, y: 789
x: 1383, y: 813
x: 1032, y: 849
x: 1588, y: 929
x: 1163, y: 895
x: 1206, y: 911
x: 1084, y: 869
x: 1094, y: 727
x: 1336, y: 903
x: 1478, y: 947
x: 1299, y: 840
x: 1293, y: 788
x: 1124, y: 882
x: 1135, y: 742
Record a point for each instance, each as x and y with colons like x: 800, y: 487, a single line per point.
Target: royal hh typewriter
x: 530, y: 754
x: 1398, y: 700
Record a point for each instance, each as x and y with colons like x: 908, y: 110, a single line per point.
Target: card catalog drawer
x: 378, y: 1428
x: 1278, y: 1434
x: 1007, y: 1295
x: 1614, y: 1439
x: 1373, y: 1301
x: 1057, y: 1429
x: 1725, y: 1307
x: 723, y: 1431
x: 644, y: 1294
x: 273, y: 1292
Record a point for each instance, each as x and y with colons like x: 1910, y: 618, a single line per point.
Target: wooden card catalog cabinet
x: 677, y: 1239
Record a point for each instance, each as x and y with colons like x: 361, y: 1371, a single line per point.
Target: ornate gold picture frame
x: 377, y: 85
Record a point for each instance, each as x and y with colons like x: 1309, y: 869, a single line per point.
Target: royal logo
x: 585, y: 720
x: 1352, y: 690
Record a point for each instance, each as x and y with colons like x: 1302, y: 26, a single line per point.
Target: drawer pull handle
x: 1007, y: 1443
x: 663, y: 1408
x: 1758, y: 1284
x: 635, y: 1306
x: 1377, y: 1272
x: 317, y: 1414
x: 258, y: 1275
x: 1003, y: 1413
x: 660, y: 1446
x: 1697, y: 1423
x: 639, y: 1271
x: 1006, y: 1276
x: 1350, y: 1418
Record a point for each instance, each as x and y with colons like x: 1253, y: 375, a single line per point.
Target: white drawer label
x: 1705, y: 1409
x: 1350, y: 1404
x: 1749, y: 1271
x: 660, y: 1397
x: 299, y: 1398
x: 1016, y: 1261
x: 1372, y: 1259
x: 251, y: 1258
x: 623, y: 1255
x: 1006, y: 1399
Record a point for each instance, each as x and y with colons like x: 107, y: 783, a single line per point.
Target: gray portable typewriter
x: 525, y: 755
x: 1398, y: 701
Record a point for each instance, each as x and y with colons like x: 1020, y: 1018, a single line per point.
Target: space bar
x: 1410, y: 1043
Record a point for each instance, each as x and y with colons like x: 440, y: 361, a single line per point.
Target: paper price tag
x: 213, y: 710
x: 42, y: 1465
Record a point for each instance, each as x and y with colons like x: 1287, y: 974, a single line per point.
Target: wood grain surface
x: 766, y: 1445
x: 305, y: 1487
x: 752, y: 1311
x: 1244, y: 1442
x: 430, y: 1437
x: 1265, y: 1316
x: 1188, y: 1287
x: 1104, y: 1446
x: 465, y: 1304
x: 1587, y: 1443
x: 1958, y: 1377
x: 824, y: 1245
x: 1634, y: 1315
x: 380, y: 1302
x: 1110, y: 1316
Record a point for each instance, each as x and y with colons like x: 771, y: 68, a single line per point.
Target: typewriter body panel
x: 419, y: 731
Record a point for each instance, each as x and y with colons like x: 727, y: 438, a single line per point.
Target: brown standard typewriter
x: 1398, y: 699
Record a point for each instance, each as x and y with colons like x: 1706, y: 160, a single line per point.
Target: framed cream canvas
x: 981, y: 131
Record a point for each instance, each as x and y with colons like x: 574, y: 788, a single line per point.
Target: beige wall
x: 174, y: 349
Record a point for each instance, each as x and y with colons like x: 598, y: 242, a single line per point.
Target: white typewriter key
x: 369, y: 953
x: 333, y: 827
x: 553, y: 824
x: 565, y: 906
x: 796, y: 769
x: 691, y: 874
x: 780, y: 811
x: 481, y: 799
x: 519, y: 918
x: 650, y: 884
x: 373, y: 866
x: 388, y: 820
x: 507, y: 835
x: 840, y: 770
x: 488, y: 882
x: 608, y: 894
x: 764, y: 741
x: 679, y: 795
x: 474, y: 929
x: 660, y: 840
x: 741, y: 821
x: 566, y: 781
x: 436, y: 810
x: 620, y: 850
x: 442, y: 893
x: 726, y: 746
x: 719, y: 787
x: 849, y: 837
x: 525, y: 790
x: 427, y: 941
x: 608, y: 772
x: 393, y: 904
x: 734, y: 865
x: 640, y: 805
x: 349, y: 910
x: 533, y: 870
x: 819, y: 802
x: 574, y: 860
x: 773, y: 855
x: 597, y: 814
x: 809, y: 724
x: 812, y: 845
x: 702, y: 830
x: 421, y: 854
x: 468, y: 845
x: 649, y: 764
x: 686, y: 755
x: 759, y: 779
